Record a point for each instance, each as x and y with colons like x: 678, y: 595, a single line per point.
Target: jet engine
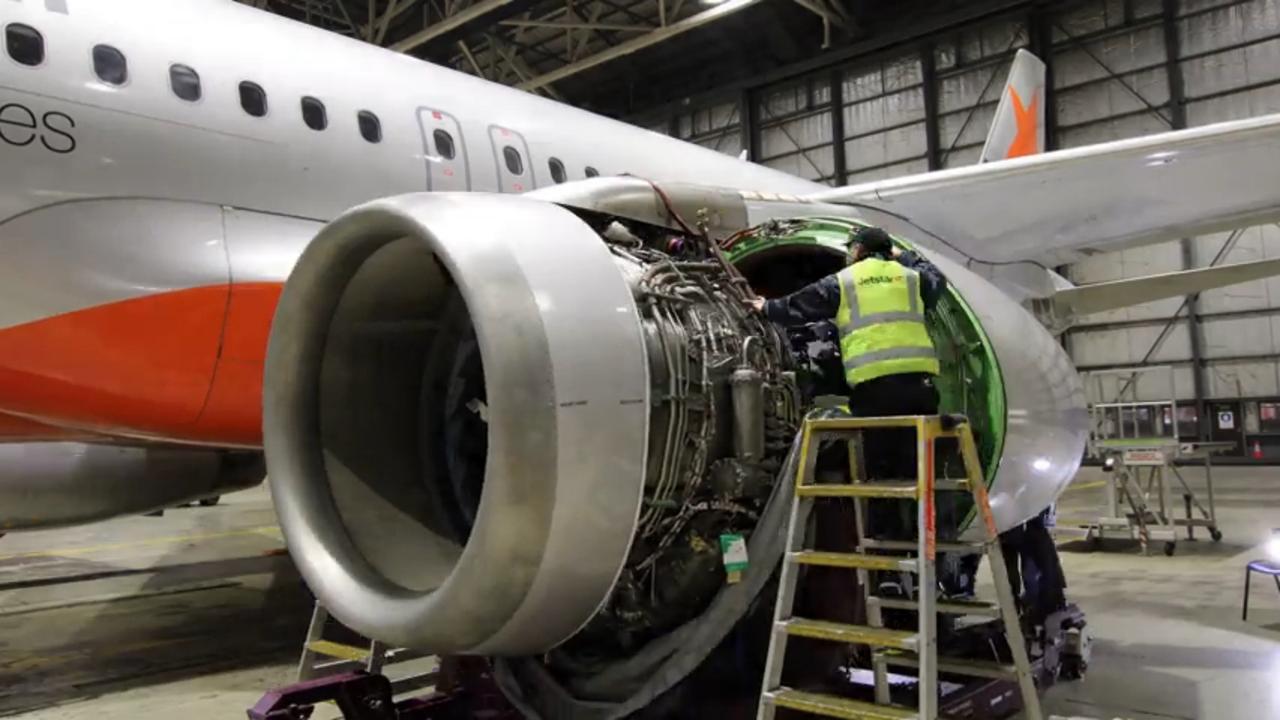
x: 522, y: 426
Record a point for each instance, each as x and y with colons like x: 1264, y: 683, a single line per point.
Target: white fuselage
x: 139, y: 139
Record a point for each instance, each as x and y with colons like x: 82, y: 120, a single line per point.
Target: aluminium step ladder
x: 321, y: 657
x: 891, y: 647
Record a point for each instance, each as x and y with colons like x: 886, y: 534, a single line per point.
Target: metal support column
x: 836, y: 78
x: 1178, y: 116
x: 932, y: 136
x: 749, y: 125
x: 1040, y: 29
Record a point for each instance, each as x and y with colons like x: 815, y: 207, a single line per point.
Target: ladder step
x: 836, y: 707
x: 860, y: 561
x: 954, y: 607
x: 328, y: 648
x: 841, y: 632
x: 962, y: 548
x: 889, y: 490
x: 956, y: 666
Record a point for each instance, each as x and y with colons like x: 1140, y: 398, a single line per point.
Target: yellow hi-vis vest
x: 881, y: 322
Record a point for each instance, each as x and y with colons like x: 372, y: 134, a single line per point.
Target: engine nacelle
x: 463, y: 417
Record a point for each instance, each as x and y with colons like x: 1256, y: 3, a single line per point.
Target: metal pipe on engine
x: 747, y: 389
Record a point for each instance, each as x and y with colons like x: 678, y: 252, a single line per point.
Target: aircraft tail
x: 1018, y: 127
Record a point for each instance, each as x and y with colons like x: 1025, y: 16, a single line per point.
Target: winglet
x: 1018, y: 127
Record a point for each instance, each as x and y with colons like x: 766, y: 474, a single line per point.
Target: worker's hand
x: 757, y: 303
x: 896, y: 252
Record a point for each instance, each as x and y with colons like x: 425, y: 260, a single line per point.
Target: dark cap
x: 872, y: 239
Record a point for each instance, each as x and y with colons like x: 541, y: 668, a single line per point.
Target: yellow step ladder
x: 322, y: 657
x: 890, y: 647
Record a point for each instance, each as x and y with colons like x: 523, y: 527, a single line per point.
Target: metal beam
x: 385, y: 23
x: 635, y: 44
x: 479, y: 10
x: 576, y: 25
x: 471, y: 59
x: 821, y: 11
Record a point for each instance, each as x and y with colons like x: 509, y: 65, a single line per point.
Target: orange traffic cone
x: 1257, y: 450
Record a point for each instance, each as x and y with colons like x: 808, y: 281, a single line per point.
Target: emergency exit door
x: 444, y: 150
x: 511, y: 153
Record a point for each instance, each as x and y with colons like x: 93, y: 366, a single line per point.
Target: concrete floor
x: 144, y: 612
x: 196, y: 613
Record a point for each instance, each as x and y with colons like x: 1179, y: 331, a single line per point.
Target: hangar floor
x: 195, y: 613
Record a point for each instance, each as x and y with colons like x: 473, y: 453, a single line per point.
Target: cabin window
x: 253, y: 99
x: 557, y: 170
x: 24, y: 43
x: 370, y: 126
x: 313, y: 114
x: 592, y: 172
x: 185, y: 82
x: 444, y: 144
x: 109, y: 65
x: 514, y: 163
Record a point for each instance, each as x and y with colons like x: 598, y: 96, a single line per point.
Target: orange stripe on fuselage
x: 183, y: 365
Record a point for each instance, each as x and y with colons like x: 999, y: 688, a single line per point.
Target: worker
x: 878, y: 304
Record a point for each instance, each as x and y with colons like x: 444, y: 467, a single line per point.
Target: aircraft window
x: 557, y: 170
x: 444, y: 144
x: 370, y: 126
x: 313, y: 114
x: 24, y: 43
x: 592, y: 172
x: 253, y: 98
x: 185, y: 82
x: 512, y: 158
x: 109, y: 65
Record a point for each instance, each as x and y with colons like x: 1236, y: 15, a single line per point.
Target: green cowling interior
x: 780, y: 257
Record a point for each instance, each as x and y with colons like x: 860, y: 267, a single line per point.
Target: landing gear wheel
x: 1216, y: 534
x: 1170, y: 548
x: 210, y: 501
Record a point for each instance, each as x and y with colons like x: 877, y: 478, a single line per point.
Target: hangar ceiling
x: 613, y: 56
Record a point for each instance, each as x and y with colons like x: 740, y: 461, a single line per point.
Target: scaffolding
x: 1140, y: 448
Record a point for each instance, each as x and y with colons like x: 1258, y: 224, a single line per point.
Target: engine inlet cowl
x: 456, y: 421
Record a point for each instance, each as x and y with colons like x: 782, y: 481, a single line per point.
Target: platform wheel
x: 210, y: 501
x: 1170, y: 548
x: 1216, y: 534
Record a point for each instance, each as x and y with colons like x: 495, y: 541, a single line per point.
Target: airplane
x: 160, y: 186
x: 169, y: 166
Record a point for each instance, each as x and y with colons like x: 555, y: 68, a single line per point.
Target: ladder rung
x: 955, y: 607
x: 836, y: 707
x: 889, y: 490
x: 964, y: 548
x: 949, y: 484
x: 956, y: 666
x: 840, y: 632
x: 859, y: 561
x: 328, y: 648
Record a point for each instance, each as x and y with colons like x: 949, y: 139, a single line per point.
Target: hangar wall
x: 1118, y: 68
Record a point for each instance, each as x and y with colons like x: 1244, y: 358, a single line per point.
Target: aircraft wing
x: 1057, y: 207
